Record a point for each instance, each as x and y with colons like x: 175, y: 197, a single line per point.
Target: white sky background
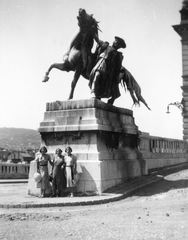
x: 35, y: 33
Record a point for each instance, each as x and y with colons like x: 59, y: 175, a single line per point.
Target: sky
x: 35, y: 34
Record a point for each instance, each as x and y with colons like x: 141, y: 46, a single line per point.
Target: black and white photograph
x: 94, y: 119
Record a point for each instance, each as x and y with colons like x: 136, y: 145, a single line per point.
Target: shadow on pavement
x: 172, y: 179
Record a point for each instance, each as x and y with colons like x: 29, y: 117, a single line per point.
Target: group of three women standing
x: 63, y: 170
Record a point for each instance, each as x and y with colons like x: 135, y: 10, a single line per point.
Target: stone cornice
x: 184, y: 76
x: 85, y: 104
x: 181, y: 29
x: 87, y: 115
x: 184, y: 88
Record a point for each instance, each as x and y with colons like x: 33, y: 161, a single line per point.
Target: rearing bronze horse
x: 79, y: 57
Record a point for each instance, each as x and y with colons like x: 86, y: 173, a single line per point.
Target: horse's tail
x: 133, y: 87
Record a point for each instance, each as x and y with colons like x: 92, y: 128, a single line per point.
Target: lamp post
x: 176, y: 104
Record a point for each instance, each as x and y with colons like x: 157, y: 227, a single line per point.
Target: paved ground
x: 157, y: 211
x: 14, y: 194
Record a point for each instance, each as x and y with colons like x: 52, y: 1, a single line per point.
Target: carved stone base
x: 103, y: 137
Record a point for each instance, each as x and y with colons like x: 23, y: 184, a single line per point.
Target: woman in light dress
x: 42, y: 167
x: 71, y: 167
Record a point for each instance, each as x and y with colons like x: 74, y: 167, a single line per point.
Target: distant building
x: 4, y: 154
x: 182, y: 30
x: 20, y: 157
x: 32, y: 152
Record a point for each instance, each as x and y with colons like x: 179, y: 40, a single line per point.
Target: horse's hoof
x: 110, y: 102
x: 46, y: 78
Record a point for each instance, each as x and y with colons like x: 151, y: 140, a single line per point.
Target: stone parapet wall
x: 14, y: 171
x: 157, y: 152
x: 161, y: 152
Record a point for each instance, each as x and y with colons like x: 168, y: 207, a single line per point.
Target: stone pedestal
x: 103, y: 137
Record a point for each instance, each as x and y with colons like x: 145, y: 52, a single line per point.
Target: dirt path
x: 156, y: 212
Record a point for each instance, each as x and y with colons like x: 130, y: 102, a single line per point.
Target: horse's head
x: 82, y: 12
x: 87, y: 23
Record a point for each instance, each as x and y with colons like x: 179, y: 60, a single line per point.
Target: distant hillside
x: 19, y: 138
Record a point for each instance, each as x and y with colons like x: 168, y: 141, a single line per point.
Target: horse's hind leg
x: 73, y: 84
x: 111, y: 100
x: 115, y: 94
x: 59, y: 66
x: 95, y: 85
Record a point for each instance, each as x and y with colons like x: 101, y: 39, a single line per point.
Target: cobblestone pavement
x: 159, y: 211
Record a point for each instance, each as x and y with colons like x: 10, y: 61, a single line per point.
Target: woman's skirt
x: 44, y: 183
x: 69, y: 176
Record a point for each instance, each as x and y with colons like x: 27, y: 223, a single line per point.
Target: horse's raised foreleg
x: 60, y: 66
x: 74, y: 82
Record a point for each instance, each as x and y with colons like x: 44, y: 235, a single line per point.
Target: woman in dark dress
x: 58, y: 173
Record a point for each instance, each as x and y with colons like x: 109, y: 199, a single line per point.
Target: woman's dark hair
x: 68, y: 148
x: 43, y: 148
x: 58, y: 150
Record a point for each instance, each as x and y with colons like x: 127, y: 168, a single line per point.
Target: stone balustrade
x: 161, y: 152
x: 157, y: 152
x: 14, y: 171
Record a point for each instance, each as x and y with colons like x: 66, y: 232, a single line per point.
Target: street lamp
x: 176, y: 104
